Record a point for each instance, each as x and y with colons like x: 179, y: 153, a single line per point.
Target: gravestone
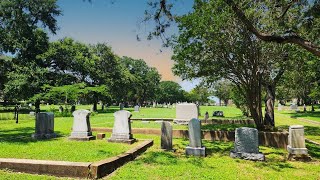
x: 195, y: 147
x: 81, y: 129
x: 154, y: 104
x: 246, y: 145
x: 185, y: 112
x: 32, y: 113
x: 206, y: 116
x: 166, y: 136
x: 44, y: 126
x: 121, y: 131
x: 293, y: 107
x: 218, y: 113
x: 296, y: 142
x: 121, y: 105
x: 136, y: 108
x: 280, y: 107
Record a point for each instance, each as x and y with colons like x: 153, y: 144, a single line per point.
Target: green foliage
x: 20, y: 20
x: 170, y: 92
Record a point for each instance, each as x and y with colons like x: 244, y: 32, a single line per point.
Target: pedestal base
x: 297, y: 150
x: 196, y: 151
x: 88, y: 138
x: 128, y: 141
x: 248, y: 156
x: 181, y: 121
x: 44, y: 136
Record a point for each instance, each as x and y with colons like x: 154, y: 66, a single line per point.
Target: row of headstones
x: 81, y: 129
x: 246, y: 145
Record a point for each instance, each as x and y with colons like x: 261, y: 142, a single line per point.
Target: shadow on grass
x: 159, y: 158
x: 305, y: 114
x: 314, y: 150
x: 225, y: 127
x: 218, y: 147
x: 21, y: 135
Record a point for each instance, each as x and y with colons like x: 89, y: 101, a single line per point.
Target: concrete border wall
x: 271, y: 139
x: 75, y: 169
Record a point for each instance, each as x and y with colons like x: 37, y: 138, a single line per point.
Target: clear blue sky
x: 117, y: 22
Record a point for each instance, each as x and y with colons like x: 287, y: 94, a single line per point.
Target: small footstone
x: 101, y: 135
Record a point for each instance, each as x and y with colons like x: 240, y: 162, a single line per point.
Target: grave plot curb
x: 271, y: 139
x: 102, y: 168
x: 75, y: 169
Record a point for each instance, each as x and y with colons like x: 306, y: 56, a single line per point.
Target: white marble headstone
x: 186, y: 111
x: 121, y: 128
x: 81, y: 124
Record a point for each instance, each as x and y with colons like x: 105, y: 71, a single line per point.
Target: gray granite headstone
x: 246, y: 145
x: 166, y: 136
x: 136, y: 108
x: 44, y: 126
x: 195, y: 146
x: 81, y: 129
x: 121, y: 131
x: 121, y: 105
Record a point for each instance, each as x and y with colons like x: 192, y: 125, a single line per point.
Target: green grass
x: 15, y: 142
x: 158, y: 164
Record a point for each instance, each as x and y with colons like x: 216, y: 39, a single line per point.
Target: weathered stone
x: 296, y: 140
x: 293, y: 107
x: 280, y: 107
x: 195, y: 146
x: 136, y: 108
x: 185, y: 112
x: 121, y: 131
x: 166, y: 136
x: 246, y: 144
x: 44, y: 127
x: 32, y: 113
x: 81, y: 129
x: 121, y: 105
x: 101, y: 135
x: 145, y: 121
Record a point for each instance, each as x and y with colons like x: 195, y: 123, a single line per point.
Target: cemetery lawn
x: 16, y: 142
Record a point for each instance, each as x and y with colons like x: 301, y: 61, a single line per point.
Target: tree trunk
x: 269, y: 105
x: 226, y: 102
x: 253, y: 93
x: 95, y: 106
x: 37, y: 105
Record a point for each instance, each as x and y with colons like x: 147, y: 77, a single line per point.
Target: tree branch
x: 293, y: 39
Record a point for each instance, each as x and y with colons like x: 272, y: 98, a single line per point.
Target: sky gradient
x: 117, y: 23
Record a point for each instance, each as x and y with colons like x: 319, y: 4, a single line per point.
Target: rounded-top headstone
x: 194, y: 133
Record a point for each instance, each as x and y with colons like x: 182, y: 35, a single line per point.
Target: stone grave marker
x: 121, y: 105
x: 60, y: 109
x: 280, y: 107
x: 296, y: 142
x: 136, y: 108
x: 81, y: 129
x: 185, y: 112
x: 44, y: 127
x: 166, y: 136
x: 195, y: 147
x: 293, y: 107
x: 121, y: 131
x: 246, y: 145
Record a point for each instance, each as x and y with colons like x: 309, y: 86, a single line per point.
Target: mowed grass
x: 16, y: 142
x: 155, y: 163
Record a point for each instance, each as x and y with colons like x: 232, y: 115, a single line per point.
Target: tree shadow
x: 313, y: 150
x: 159, y: 158
x: 22, y: 135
